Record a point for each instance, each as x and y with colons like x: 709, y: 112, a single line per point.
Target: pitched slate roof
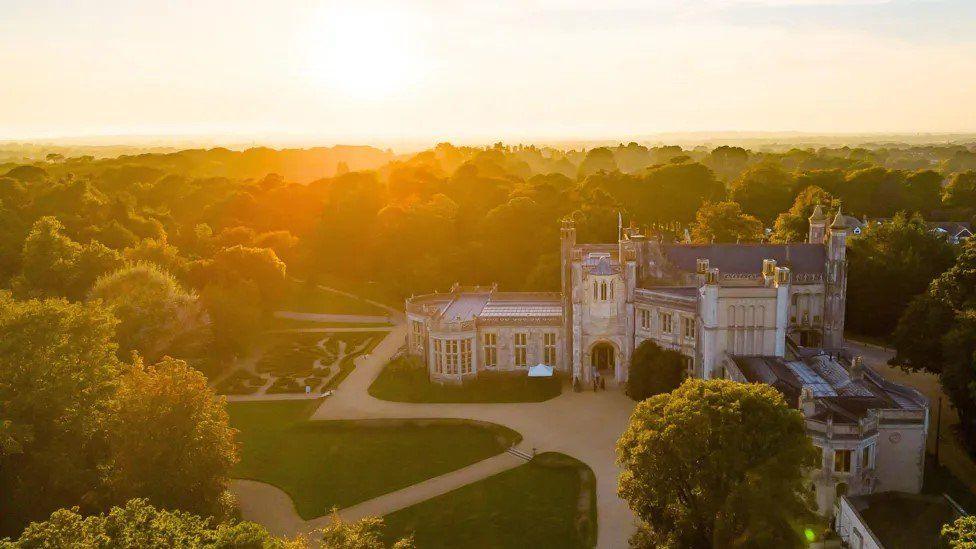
x: 747, y: 258
x: 836, y: 392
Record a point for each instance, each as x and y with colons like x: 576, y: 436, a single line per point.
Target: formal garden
x: 327, y: 464
x: 292, y: 361
x: 548, y: 502
x: 405, y: 379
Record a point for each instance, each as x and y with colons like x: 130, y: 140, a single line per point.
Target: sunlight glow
x: 364, y: 53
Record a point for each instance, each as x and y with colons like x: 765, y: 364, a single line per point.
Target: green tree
x: 763, y: 190
x: 58, y: 372
x: 716, y: 463
x: 725, y: 222
x: 918, y: 334
x: 169, y: 440
x: 56, y: 266
x: 160, y: 252
x: 794, y: 225
x: 139, y: 524
x: 924, y: 191
x: 237, y: 264
x: 654, y: 370
x: 363, y: 534
x: 728, y: 162
x: 888, y: 265
x: 960, y: 192
x: 597, y: 160
x: 236, y: 316
x: 937, y: 333
x: 960, y: 533
x: 156, y: 315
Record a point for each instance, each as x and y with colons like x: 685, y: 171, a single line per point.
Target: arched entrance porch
x: 603, y: 361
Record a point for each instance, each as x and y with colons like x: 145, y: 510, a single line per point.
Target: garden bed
x: 240, y: 382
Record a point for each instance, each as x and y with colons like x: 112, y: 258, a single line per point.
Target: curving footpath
x: 583, y: 425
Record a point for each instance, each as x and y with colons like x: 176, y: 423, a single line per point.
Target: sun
x: 365, y: 54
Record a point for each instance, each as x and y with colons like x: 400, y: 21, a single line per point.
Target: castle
x: 706, y: 301
x: 771, y: 313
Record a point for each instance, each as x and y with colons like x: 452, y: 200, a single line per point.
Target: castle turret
x: 818, y: 226
x: 836, y: 282
x: 782, y: 279
x: 708, y: 311
x: 567, y: 242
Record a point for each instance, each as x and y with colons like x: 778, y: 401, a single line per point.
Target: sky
x: 500, y: 70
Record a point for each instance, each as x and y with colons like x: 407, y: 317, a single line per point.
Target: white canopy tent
x: 540, y: 370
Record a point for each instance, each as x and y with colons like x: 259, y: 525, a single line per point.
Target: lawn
x: 326, y: 464
x: 939, y: 480
x: 533, y: 505
x: 305, y: 298
x: 400, y: 382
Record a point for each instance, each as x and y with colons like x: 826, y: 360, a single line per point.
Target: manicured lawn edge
x: 400, y: 385
x: 532, y: 508
x: 283, y: 448
x: 586, y: 513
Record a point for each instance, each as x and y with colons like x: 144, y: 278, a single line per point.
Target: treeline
x: 420, y: 223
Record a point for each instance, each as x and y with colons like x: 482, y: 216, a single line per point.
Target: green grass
x: 533, y: 505
x: 306, y: 298
x: 326, y: 464
x: 411, y: 385
x: 939, y: 480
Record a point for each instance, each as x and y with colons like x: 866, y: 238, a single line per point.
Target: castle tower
x: 567, y: 241
x: 818, y: 226
x: 835, y: 301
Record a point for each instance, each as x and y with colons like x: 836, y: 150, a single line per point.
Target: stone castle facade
x: 771, y: 313
x: 705, y: 301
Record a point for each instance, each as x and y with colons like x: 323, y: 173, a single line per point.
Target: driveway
x: 583, y: 425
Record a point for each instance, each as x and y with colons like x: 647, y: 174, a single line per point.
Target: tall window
x: 866, y: 457
x: 451, y: 356
x: 465, y: 356
x: 596, y: 290
x: 819, y: 456
x: 842, y: 461
x: 521, y: 349
x: 549, y: 348
x: 438, y: 356
x: 645, y: 319
x: 689, y: 327
x: 689, y: 362
x: 667, y: 323
x: 418, y: 334
x: 490, y: 349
